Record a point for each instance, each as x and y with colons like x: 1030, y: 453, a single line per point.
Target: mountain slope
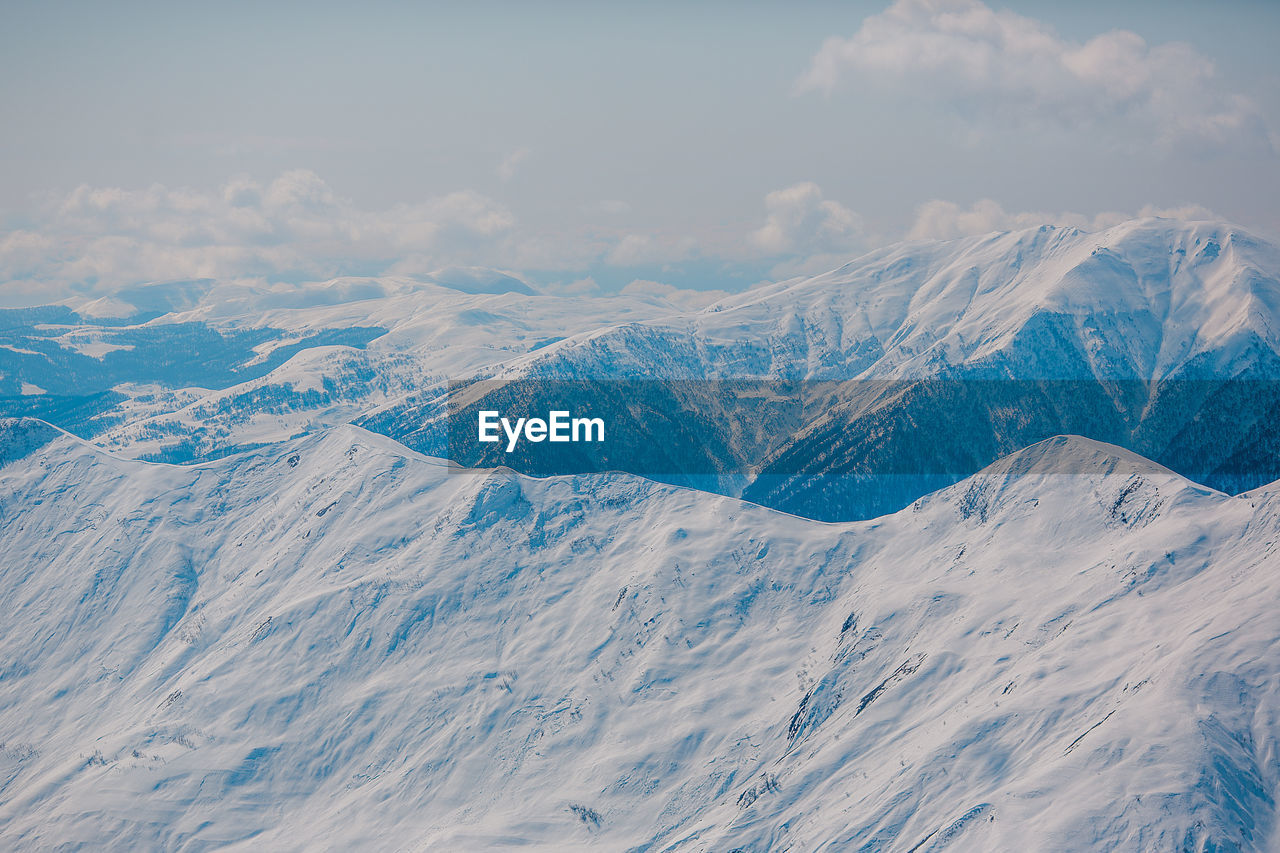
x: 229, y: 367
x: 1147, y: 299
x: 1170, y: 332
x: 336, y: 642
x: 932, y: 360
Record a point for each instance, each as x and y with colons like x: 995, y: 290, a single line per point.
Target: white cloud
x: 801, y: 221
x: 634, y: 249
x: 97, y: 239
x: 946, y: 220
x: 507, y: 168
x: 686, y: 299
x: 1004, y: 63
x: 294, y: 225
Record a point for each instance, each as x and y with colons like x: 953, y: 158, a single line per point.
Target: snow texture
x: 336, y: 643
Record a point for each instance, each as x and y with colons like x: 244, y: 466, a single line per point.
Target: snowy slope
x: 1150, y: 301
x: 1146, y: 299
x: 1165, y: 322
x: 335, y: 643
x: 230, y: 366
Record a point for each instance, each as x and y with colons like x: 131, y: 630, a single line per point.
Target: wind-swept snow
x: 337, y: 643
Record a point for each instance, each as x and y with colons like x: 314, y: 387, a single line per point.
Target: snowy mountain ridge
x: 1166, y: 303
x: 948, y: 356
x: 337, y: 642
x: 1146, y: 299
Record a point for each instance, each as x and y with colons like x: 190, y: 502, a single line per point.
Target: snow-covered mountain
x: 1173, y: 328
x: 317, y: 637
x: 232, y: 367
x: 1148, y: 299
x: 337, y: 643
x: 1161, y: 336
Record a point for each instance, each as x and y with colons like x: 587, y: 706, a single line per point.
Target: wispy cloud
x: 684, y: 298
x: 294, y: 225
x: 512, y: 162
x: 996, y: 62
x: 642, y: 249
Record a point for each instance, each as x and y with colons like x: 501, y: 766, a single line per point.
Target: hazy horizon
x: 709, y: 147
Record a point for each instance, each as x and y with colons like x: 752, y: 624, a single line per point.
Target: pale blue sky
x: 614, y: 140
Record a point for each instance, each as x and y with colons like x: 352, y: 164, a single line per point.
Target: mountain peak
x: 1072, y: 471
x: 20, y: 437
x: 479, y: 280
x: 1075, y: 454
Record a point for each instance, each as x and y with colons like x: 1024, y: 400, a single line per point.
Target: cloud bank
x: 295, y: 228
x: 996, y: 62
x: 100, y: 238
x: 97, y: 239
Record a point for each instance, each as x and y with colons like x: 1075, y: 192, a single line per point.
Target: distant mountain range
x: 1155, y: 335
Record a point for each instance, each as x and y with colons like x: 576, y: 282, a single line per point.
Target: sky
x: 592, y: 145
